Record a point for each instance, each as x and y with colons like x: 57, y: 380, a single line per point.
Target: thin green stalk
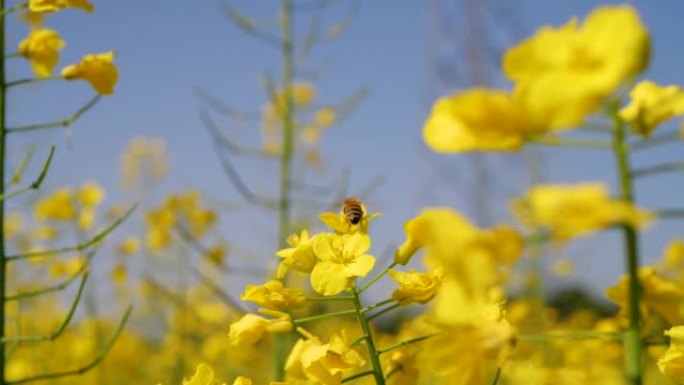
x: 370, y: 344
x: 357, y: 375
x: 404, y: 343
x: 319, y: 317
x: 657, y: 169
x: 633, y: 343
x: 383, y: 311
x: 3, y: 144
x: 377, y: 277
x: 656, y: 140
x: 329, y: 299
x: 376, y: 305
x: 287, y: 52
x: 496, y: 375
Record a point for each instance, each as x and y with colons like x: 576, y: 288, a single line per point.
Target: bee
x: 353, y: 210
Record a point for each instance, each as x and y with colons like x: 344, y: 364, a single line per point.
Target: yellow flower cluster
x: 64, y: 204
x: 41, y: 47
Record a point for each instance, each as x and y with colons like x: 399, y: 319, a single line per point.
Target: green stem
x: 657, y: 169
x: 376, y: 305
x: 300, y: 321
x: 287, y: 52
x: 370, y: 344
x: 3, y: 144
x: 632, y: 341
x: 569, y: 335
x: 357, y: 375
x: 496, y: 375
x: 19, y: 82
x: 330, y: 299
x: 404, y: 343
x: 656, y: 140
x: 377, y: 277
x: 383, y: 311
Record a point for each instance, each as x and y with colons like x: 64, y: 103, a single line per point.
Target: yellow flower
x: 651, y: 106
x: 242, y: 381
x: 13, y: 224
x: 672, y: 362
x: 563, y: 74
x: 90, y: 194
x: 415, y: 287
x: 66, y: 268
x: 416, y: 231
x: 45, y: 232
x: 658, y: 295
x: 476, y: 120
x: 58, y: 206
x: 42, y: 48
x: 129, y: 246
x: 570, y: 211
x: 56, y: 5
x: 341, y: 258
x: 274, y: 295
x: 673, y: 256
x: 303, y: 94
x: 299, y: 257
x: 339, y: 223
x: 204, y: 375
x: 119, y: 274
x: 313, y: 361
x: 144, y: 159
x: 97, y: 69
x: 251, y: 328
x: 86, y: 219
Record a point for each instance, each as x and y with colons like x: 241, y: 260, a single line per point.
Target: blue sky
x: 167, y: 49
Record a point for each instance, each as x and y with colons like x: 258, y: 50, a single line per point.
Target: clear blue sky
x: 166, y: 49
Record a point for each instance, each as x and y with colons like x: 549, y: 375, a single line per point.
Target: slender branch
x: 383, y: 311
x: 3, y: 157
x: 404, y: 343
x: 62, y: 326
x: 376, y: 305
x: 13, y: 9
x: 59, y: 123
x: 496, y: 375
x: 358, y: 375
x: 569, y: 335
x: 330, y: 299
x: 25, y: 160
x: 79, y: 247
x: 248, y: 26
x: 36, y: 183
x: 669, y: 213
x: 216, y: 289
x: 222, y: 138
x: 58, y: 287
x: 241, y: 186
x: 394, y: 371
x: 319, y: 317
x: 19, y: 82
x: 100, y: 356
x: 657, y: 169
x: 656, y: 140
x: 377, y: 277
x: 13, y: 55
x: 558, y: 141
x: 224, y: 108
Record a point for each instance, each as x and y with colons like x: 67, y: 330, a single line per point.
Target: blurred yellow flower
x: 61, y: 268
x: 90, y: 194
x: 652, y: 105
x: 299, y: 257
x: 416, y: 231
x: 14, y: 222
x: 312, y: 361
x: 563, y: 74
x: 119, y: 274
x: 60, y: 206
x: 569, y: 211
x: 97, y: 69
x: 42, y: 48
x: 204, y: 375
x: 303, y: 94
x: 672, y: 362
x: 562, y: 268
x: 56, y: 5
x: 274, y: 295
x: 86, y: 219
x: 341, y: 259
x: 415, y: 287
x: 242, y: 381
x: 129, y: 246
x: 251, y: 328
x: 33, y: 19
x: 476, y: 120
x: 673, y: 257
x: 217, y: 254
x: 325, y: 117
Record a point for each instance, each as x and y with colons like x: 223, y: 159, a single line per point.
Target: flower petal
x: 329, y: 278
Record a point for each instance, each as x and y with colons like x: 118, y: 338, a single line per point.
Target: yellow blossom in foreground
x: 204, y: 375
x: 56, y: 5
x: 42, y: 48
x: 416, y: 231
x: 652, y: 105
x: 563, y: 74
x: 658, y: 295
x: 97, y: 69
x: 58, y: 206
x: 672, y: 362
x: 299, y: 257
x: 569, y: 211
x: 273, y: 294
x: 242, y: 381
x: 251, y: 328
x: 476, y: 120
x: 415, y: 287
x: 673, y: 257
x: 316, y: 362
x: 338, y: 221
x: 341, y: 258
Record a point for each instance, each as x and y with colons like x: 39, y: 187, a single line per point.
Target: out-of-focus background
x: 407, y: 52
